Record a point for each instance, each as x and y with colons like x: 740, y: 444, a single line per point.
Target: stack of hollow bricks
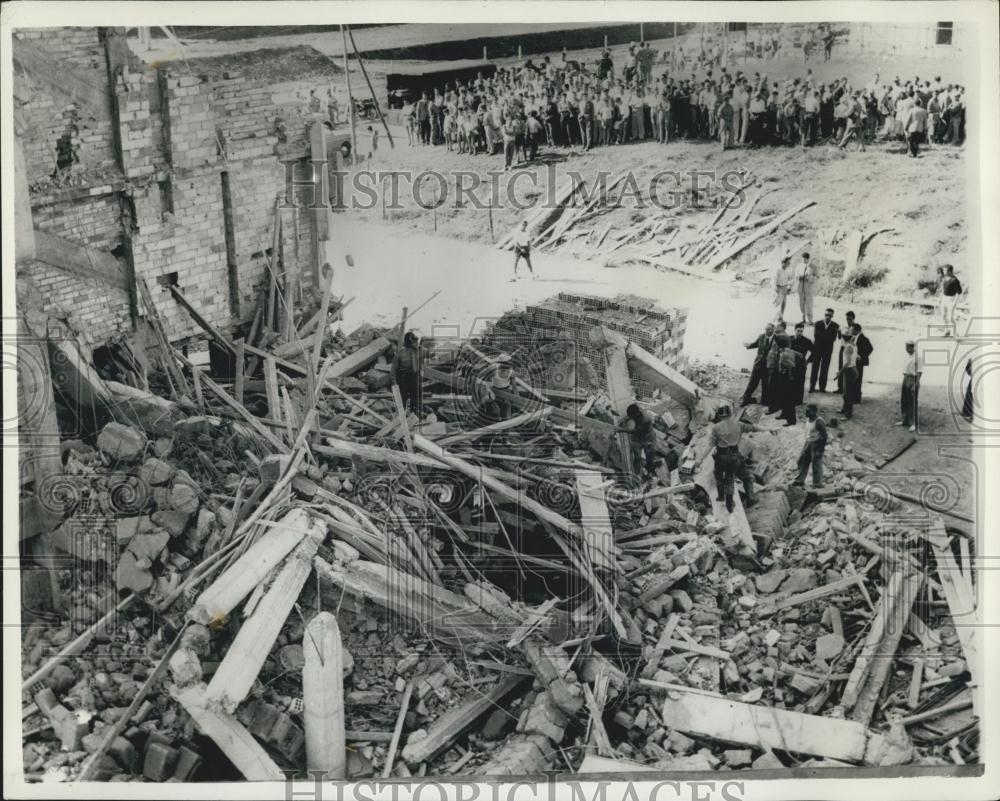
x: 659, y: 331
x: 172, y: 126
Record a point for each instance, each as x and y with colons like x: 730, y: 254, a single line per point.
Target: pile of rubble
x: 678, y: 235
x: 285, y: 569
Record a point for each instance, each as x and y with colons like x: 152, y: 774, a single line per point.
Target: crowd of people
x: 564, y: 103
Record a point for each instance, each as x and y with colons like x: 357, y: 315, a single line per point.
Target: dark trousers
x: 850, y: 382
x: 643, y: 454
x: 586, y: 132
x: 509, y: 147
x: 757, y: 376
x: 857, y: 387
x: 820, y: 370
x: 425, y: 131
x: 908, y: 400
x: 409, y: 391
x: 727, y: 465
x: 811, y: 456
x: 913, y: 139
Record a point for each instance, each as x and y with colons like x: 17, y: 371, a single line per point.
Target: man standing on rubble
x: 642, y: 438
x: 824, y: 336
x: 494, y: 406
x: 758, y: 374
x: 812, y: 451
x: 725, y: 439
x: 407, y: 373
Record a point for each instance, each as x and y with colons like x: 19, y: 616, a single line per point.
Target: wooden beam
x: 503, y: 425
x: 598, y: 539
x: 720, y: 718
x: 871, y: 669
x: 239, y: 669
x: 542, y: 512
x: 204, y: 324
x: 453, y: 723
x: 660, y: 374
x: 323, y: 697
x: 231, y: 736
x: 250, y: 570
x: 772, y: 605
x: 741, y: 245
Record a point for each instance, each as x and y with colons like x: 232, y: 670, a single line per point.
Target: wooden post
x: 493, y: 237
x: 484, y: 53
x: 238, y: 378
x: 404, y: 705
x: 323, y: 697
x: 371, y: 89
x: 350, y: 98
x: 271, y: 387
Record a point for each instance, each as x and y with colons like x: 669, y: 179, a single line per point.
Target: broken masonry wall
x: 63, y: 110
x: 178, y: 135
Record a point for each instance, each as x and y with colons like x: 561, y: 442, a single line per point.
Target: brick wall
x: 91, y: 306
x: 178, y: 135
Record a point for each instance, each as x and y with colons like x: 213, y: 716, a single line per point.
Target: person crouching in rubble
x: 725, y: 439
x: 642, y: 437
x: 407, y: 373
x: 496, y: 407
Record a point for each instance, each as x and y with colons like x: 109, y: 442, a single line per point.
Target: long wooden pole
x: 350, y: 98
x: 371, y: 89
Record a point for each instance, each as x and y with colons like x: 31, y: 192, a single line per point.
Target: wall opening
x: 167, y: 279
x: 944, y: 32
x: 166, y: 188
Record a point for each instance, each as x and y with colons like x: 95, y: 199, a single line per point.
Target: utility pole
x: 350, y: 99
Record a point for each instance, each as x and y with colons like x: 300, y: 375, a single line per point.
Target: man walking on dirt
x: 824, y: 337
x: 811, y: 455
x: 951, y: 291
x: 915, y: 124
x: 725, y: 439
x: 522, y: 249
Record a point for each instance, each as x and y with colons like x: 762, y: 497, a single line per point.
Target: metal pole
x: 642, y: 33
x: 350, y: 99
x: 371, y: 89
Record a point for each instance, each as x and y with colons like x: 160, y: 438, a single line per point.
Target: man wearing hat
x: 911, y: 387
x: 812, y: 451
x: 805, y: 276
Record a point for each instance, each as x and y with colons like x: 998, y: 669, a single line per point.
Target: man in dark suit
x: 803, y: 345
x: 824, y: 336
x: 758, y: 375
x: 865, y: 348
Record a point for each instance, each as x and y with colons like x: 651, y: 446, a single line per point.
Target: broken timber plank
x: 233, y: 739
x: 871, y: 669
x: 539, y: 510
x: 236, y: 674
x: 222, y: 596
x: 323, y: 697
x: 443, y: 731
x: 772, y: 605
x: 504, y: 425
x: 705, y: 715
x: 772, y: 226
x: 598, y: 538
x: 442, y: 614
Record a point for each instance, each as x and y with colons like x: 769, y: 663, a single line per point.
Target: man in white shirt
x: 782, y: 286
x: 805, y: 277
x: 522, y: 249
x: 910, y: 388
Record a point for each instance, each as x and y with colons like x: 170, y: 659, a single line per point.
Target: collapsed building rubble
x: 273, y: 565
